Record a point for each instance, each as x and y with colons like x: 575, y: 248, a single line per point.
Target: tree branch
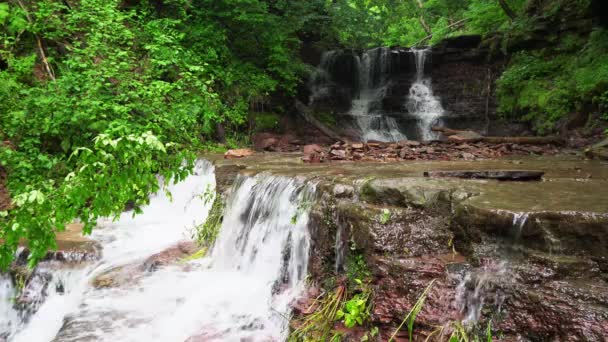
x: 45, y: 61
x: 508, y: 11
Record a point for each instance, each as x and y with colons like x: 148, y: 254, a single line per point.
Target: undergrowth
x: 546, y: 85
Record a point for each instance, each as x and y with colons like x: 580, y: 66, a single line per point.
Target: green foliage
x: 206, y: 233
x: 318, y: 326
x: 326, y: 118
x: 410, y: 318
x: 100, y: 96
x: 385, y: 216
x: 356, y: 310
x: 356, y: 269
x: 265, y: 122
x: 545, y: 85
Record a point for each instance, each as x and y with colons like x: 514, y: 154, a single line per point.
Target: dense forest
x: 97, y: 97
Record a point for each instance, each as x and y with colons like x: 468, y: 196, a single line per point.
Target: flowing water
x: 241, y: 290
x: 374, y: 68
x: 321, y: 80
x: 421, y: 102
x: 481, y: 287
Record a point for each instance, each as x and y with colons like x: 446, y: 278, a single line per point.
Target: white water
x: 480, y: 288
x: 374, y: 67
x: 164, y: 222
x: 421, y: 102
x: 242, y: 290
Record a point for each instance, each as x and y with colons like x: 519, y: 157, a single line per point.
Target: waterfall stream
x: 374, y: 67
x: 241, y: 290
x: 421, y: 101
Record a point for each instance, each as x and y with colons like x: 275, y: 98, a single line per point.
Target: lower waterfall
x: 241, y: 290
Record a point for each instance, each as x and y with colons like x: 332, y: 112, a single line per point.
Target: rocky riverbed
x: 530, y: 256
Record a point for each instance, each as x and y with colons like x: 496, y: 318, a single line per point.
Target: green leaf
x: 4, y: 12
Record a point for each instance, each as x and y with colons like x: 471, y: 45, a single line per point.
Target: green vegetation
x: 545, y: 85
x: 206, y: 233
x: 410, y: 318
x: 97, y: 97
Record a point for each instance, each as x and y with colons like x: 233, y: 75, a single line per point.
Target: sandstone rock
x: 599, y: 151
x: 466, y: 136
x: 343, y: 191
x: 131, y: 273
x: 338, y: 154
x: 357, y: 146
x: 313, y: 154
x: 238, y: 153
x: 408, y: 143
x: 267, y: 144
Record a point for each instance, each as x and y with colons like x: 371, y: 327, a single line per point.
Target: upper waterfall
x: 381, y: 94
x: 421, y: 101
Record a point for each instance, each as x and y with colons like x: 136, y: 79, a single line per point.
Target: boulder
x: 598, y: 151
x: 313, y: 154
x: 131, y: 273
x: 238, y: 153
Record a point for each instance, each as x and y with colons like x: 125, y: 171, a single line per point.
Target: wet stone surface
x: 530, y: 256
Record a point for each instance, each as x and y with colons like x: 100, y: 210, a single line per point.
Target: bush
x: 543, y: 86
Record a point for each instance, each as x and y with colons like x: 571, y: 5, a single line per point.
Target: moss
x: 328, y: 119
x: 208, y: 231
x: 546, y: 85
x: 266, y: 121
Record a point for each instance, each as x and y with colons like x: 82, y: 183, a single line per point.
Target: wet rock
x: 238, y: 153
x: 343, y: 191
x: 225, y: 176
x: 598, y: 151
x: 337, y: 154
x: 313, y: 154
x: 503, y: 175
x: 466, y: 136
x: 131, y: 273
x: 72, y: 247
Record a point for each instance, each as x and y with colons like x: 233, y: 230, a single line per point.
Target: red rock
x: 238, y: 153
x: 338, y: 154
x: 313, y: 154
x: 357, y: 146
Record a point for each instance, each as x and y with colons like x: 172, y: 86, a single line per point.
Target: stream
x: 241, y: 290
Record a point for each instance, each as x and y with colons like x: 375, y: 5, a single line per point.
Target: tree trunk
x: 425, y: 26
x: 306, y: 113
x: 508, y: 11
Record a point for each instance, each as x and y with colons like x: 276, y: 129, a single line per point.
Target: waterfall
x: 242, y: 290
x: 479, y: 288
x: 421, y: 102
x: 320, y: 82
x: 374, y: 67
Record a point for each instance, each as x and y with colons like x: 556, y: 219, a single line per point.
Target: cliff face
x: 462, y: 77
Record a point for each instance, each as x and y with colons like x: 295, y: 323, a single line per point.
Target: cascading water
x: 373, y: 68
x: 65, y: 288
x: 480, y: 288
x: 421, y: 102
x: 242, y: 290
x: 321, y: 81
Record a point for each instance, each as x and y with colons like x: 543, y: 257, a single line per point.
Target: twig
x: 458, y: 23
x: 45, y: 61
